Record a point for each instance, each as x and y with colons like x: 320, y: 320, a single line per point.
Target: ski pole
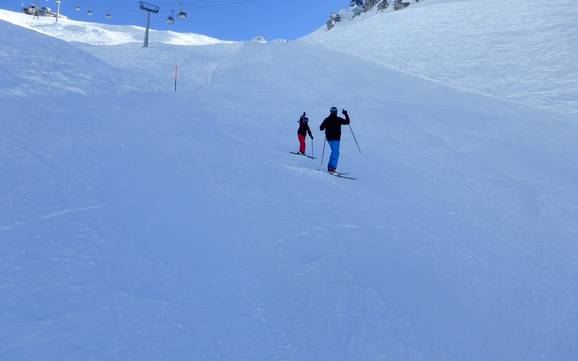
x: 176, y: 75
x: 323, y: 153
x: 354, y: 138
x: 312, y: 148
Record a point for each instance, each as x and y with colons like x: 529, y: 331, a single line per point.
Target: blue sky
x: 224, y: 19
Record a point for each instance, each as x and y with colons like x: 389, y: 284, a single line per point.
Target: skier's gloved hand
x: 344, y: 111
x: 311, y: 136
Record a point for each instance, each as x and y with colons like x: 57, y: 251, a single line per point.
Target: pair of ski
x: 343, y: 175
x: 304, y: 155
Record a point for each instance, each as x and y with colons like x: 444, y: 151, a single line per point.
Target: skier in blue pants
x: 332, y: 126
x: 334, y: 157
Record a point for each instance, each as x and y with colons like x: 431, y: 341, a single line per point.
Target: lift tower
x: 149, y: 8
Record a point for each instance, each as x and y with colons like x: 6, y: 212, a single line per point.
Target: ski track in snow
x: 52, y: 215
x: 66, y: 212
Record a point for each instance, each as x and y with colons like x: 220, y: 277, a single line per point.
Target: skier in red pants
x: 302, y: 132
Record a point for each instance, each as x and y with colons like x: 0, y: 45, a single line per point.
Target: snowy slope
x: 523, y: 50
x: 35, y: 64
x: 153, y: 69
x: 101, y: 34
x: 148, y: 225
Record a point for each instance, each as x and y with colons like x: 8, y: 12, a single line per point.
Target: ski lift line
x: 126, y: 9
x: 200, y: 4
x: 196, y: 4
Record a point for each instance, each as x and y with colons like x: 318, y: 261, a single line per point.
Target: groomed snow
x: 142, y: 224
x: 523, y: 50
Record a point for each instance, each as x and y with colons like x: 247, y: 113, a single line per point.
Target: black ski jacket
x: 304, y: 128
x: 332, y: 126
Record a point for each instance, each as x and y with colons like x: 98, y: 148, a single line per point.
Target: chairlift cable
x: 189, y: 5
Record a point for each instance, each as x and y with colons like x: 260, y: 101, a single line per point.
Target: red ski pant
x: 301, y: 143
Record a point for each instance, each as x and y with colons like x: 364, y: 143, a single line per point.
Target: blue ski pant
x: 334, y: 157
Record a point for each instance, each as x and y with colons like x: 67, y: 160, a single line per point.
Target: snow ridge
x: 518, y: 50
x: 102, y: 34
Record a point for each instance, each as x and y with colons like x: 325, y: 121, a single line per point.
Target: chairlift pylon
x: 150, y: 9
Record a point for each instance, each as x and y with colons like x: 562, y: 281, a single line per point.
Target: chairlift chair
x: 89, y: 12
x: 182, y: 14
x: 77, y: 8
x: 109, y: 16
x: 171, y: 18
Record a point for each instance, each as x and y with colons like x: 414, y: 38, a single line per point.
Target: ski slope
x: 143, y: 224
x: 522, y: 50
